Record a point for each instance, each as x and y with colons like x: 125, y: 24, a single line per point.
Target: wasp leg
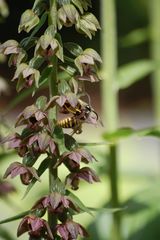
x: 77, y: 129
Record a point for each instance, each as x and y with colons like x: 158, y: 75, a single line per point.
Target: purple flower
x: 69, y: 98
x: 36, y: 227
x: 48, y: 46
x: 70, y: 230
x: 16, y: 142
x: 84, y: 173
x: 33, y: 117
x: 56, y: 202
x: 87, y: 24
x: 89, y: 73
x: 26, y: 173
x: 67, y: 15
x: 26, y: 76
x: 10, y: 47
x: 42, y: 142
x: 73, y: 159
x: 86, y: 64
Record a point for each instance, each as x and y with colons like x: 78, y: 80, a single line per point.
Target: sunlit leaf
x: 134, y: 38
x: 78, y: 202
x: 154, y: 132
x: 63, y: 87
x: 133, y: 72
x: 120, y: 133
x: 41, y: 102
x: 73, y: 48
x: 109, y: 210
x: 14, y: 218
x: 36, y: 62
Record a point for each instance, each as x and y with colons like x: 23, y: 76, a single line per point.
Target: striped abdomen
x: 70, y: 122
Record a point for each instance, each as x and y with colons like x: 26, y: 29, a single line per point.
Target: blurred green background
x: 138, y: 157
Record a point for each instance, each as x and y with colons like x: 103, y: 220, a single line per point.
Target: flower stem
x: 53, y: 90
x: 110, y: 101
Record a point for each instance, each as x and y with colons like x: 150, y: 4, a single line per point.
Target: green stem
x: 116, y: 226
x: 109, y: 68
x: 53, y: 173
x: 110, y: 100
x: 154, y: 7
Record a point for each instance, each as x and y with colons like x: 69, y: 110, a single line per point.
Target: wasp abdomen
x: 69, y: 122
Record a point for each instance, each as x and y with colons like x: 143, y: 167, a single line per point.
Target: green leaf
x: 41, y: 102
x: 44, y: 75
x: 36, y: 62
x: 59, y: 139
x: 58, y: 186
x: 63, y: 87
x: 78, y: 202
x: 60, y: 43
x: 135, y: 37
x: 70, y: 142
x: 14, y: 218
x: 120, y: 133
x: 43, y: 166
x: 78, y: 4
x: 73, y: 48
x: 38, y: 6
x: 133, y: 72
x: 109, y: 210
x: 25, y: 44
x: 153, y: 131
x: 92, y: 144
x: 29, y: 160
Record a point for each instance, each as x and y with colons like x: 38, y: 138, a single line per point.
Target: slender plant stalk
x: 154, y: 8
x: 110, y: 100
x: 53, y: 173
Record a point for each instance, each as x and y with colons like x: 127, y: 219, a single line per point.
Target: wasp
x: 80, y: 114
